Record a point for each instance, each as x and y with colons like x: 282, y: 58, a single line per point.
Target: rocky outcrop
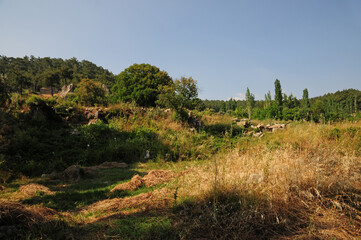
x: 65, y: 90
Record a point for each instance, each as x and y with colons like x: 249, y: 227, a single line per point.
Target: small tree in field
x: 90, y: 92
x: 179, y: 96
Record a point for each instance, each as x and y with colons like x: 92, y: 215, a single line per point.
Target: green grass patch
x: 142, y: 228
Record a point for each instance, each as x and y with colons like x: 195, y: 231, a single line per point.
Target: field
x: 214, y: 182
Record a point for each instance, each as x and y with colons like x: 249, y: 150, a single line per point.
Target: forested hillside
x: 35, y: 72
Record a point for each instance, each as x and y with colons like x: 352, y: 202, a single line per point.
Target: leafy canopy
x: 140, y: 83
x: 90, y: 92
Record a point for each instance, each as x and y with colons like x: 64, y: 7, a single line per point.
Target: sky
x: 226, y: 45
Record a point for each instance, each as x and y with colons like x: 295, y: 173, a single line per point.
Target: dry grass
x: 15, y: 213
x: 304, y: 182
x: 157, y: 199
x: 32, y: 189
x: 153, y: 178
x: 134, y: 183
x: 156, y: 177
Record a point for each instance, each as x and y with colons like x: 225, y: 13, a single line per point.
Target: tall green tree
x: 19, y: 79
x: 4, y: 90
x: 278, y: 93
x: 250, y: 100
x: 179, y: 96
x: 305, y: 99
x: 268, y: 100
x: 278, y: 98
x: 140, y: 83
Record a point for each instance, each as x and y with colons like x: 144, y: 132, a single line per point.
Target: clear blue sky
x: 226, y: 46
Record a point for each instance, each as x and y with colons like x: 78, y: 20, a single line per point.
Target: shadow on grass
x: 141, y: 225
x: 220, y: 129
x: 70, y: 197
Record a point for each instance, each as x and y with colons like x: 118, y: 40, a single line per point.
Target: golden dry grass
x: 157, y: 199
x: 304, y: 182
x: 32, y: 189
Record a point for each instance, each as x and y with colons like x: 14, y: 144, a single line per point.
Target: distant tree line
x: 328, y: 108
x: 148, y: 86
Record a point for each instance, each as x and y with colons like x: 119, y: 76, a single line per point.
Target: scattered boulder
x: 92, y: 121
x: 73, y: 173
x: 243, y: 123
x: 261, y: 127
x: 258, y: 134
x: 52, y: 175
x: 147, y: 155
x: 276, y: 127
x: 136, y: 182
x: 106, y: 89
x: 32, y: 189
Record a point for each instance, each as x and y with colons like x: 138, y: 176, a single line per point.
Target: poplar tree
x: 305, y: 99
x: 250, y: 102
x: 278, y: 93
x: 268, y: 100
x: 278, y: 98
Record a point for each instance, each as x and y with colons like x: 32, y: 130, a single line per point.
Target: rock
x: 192, y: 130
x: 53, y: 175
x: 243, y: 123
x: 275, y: 127
x: 92, y: 121
x: 65, y: 90
x: 106, y: 165
x: 73, y: 173
x: 147, y: 155
x: 258, y: 134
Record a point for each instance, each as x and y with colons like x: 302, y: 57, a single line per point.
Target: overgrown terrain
x: 139, y: 156
x: 299, y: 183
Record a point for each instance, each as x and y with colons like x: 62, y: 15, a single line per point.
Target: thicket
x: 40, y: 140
